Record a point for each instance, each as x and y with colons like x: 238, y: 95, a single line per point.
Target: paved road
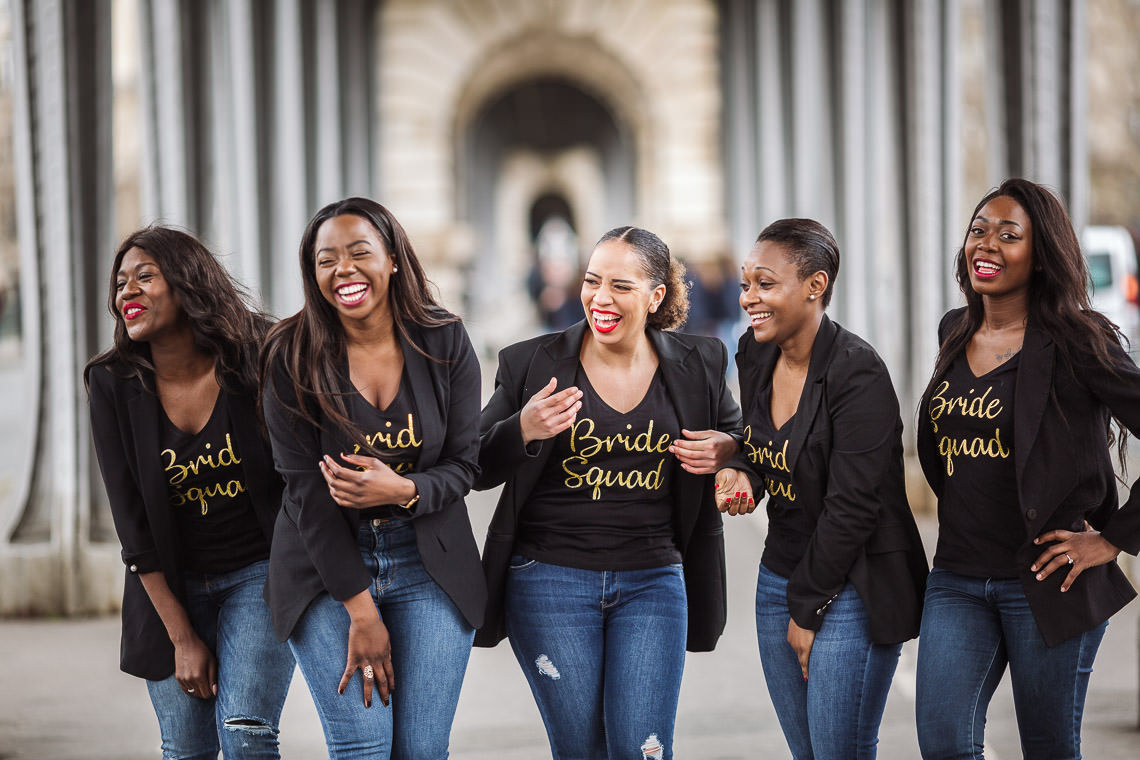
x: 63, y: 698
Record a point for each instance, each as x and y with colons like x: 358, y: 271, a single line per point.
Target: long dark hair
x: 1058, y: 291
x: 661, y: 269
x: 222, y: 318
x: 311, y: 343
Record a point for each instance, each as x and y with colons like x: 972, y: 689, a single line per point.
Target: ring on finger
x: 1068, y: 558
x: 368, y: 673
x: 189, y: 689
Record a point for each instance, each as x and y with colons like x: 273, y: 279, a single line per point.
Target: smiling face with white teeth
x: 617, y: 295
x: 147, y: 304
x: 353, y: 268
x: 780, y: 305
x: 999, y: 249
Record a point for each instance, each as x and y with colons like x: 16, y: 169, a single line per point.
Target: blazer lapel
x: 557, y: 358
x: 812, y: 393
x: 684, y: 380
x: 423, y: 392
x: 1031, y: 394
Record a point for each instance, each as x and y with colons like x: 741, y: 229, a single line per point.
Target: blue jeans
x: 835, y: 714
x: 254, y: 670
x: 431, y: 644
x: 603, y: 652
x: 971, y: 629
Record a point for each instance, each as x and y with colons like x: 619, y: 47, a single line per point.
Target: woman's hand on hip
x: 734, y: 492
x: 1076, y: 551
x: 547, y: 413
x: 195, y: 668
x: 369, y: 650
x: 368, y: 482
x: 703, y: 452
x: 801, y: 640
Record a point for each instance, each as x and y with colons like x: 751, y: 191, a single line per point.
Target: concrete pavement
x: 62, y: 696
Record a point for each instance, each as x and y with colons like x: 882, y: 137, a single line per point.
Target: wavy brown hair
x: 1058, y: 292
x: 222, y: 318
x: 311, y: 343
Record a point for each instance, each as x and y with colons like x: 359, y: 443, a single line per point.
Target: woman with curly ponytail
x: 606, y: 435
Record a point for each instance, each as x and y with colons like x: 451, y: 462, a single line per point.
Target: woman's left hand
x: 1076, y: 551
x: 703, y: 452
x: 801, y: 640
x: 367, y: 483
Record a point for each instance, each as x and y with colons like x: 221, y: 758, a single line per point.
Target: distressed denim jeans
x: 254, y: 671
x: 834, y: 714
x: 972, y: 629
x: 603, y: 652
x: 431, y: 644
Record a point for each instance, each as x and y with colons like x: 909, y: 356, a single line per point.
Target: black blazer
x: 693, y: 370
x: 314, y: 542
x: 125, y: 423
x: 846, y: 459
x: 1064, y: 474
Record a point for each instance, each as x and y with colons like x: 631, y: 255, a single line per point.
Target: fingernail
x: 716, y: 486
x: 1040, y: 576
x: 750, y: 501
x: 805, y: 679
x: 1033, y: 568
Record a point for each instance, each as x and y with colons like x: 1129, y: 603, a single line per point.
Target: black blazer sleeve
x: 127, y: 507
x: 449, y: 478
x: 326, y: 530
x: 1120, y: 392
x: 502, y: 451
x: 864, y: 431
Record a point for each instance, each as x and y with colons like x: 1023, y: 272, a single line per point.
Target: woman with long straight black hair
x: 371, y: 396
x: 1014, y: 436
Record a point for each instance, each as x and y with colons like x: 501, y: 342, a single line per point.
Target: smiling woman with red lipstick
x: 606, y: 435
x: 840, y: 581
x: 371, y: 397
x: 193, y: 493
x: 1014, y: 439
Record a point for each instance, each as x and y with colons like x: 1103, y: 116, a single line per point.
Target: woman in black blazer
x: 193, y: 493
x: 1014, y: 438
x: 371, y: 396
x: 606, y: 435
x: 841, y: 577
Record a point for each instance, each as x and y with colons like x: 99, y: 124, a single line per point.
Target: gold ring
x: 368, y: 673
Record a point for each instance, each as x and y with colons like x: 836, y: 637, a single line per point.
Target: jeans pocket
x: 519, y: 563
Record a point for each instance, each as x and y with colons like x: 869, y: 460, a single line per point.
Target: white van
x: 1115, y: 291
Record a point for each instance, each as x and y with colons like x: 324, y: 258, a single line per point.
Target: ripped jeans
x: 254, y: 670
x: 603, y: 652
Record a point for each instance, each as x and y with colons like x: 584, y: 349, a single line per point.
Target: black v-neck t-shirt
x: 604, y: 499
x: 217, y: 527
x: 766, y: 447
x: 979, y: 519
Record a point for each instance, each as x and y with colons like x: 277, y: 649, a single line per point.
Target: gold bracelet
x: 411, y: 502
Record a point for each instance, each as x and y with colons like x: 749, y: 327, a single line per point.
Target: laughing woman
x: 840, y: 579
x: 193, y: 494
x: 1014, y: 439
x: 605, y: 554
x: 371, y: 396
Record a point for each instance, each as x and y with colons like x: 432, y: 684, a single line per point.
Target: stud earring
x: 811, y: 298
x: 395, y: 269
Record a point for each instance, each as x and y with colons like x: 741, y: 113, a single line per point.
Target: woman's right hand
x: 547, y: 413
x: 734, y: 492
x: 195, y: 667
x: 369, y: 649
